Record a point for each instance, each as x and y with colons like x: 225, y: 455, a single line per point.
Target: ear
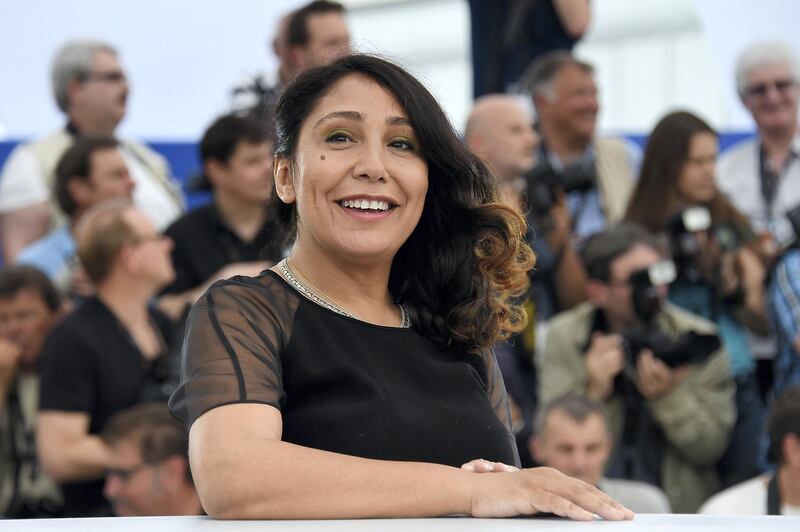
x: 296, y: 58
x: 177, y: 466
x: 284, y: 180
x: 535, y: 448
x: 476, y: 144
x: 79, y: 190
x: 791, y: 450
x: 597, y: 293
x: 215, y: 171
x: 73, y: 89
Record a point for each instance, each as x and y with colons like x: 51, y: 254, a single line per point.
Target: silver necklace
x: 293, y: 278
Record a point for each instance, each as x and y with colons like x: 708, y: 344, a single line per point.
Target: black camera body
x: 543, y: 182
x: 688, y: 348
x: 793, y: 215
x: 684, y: 229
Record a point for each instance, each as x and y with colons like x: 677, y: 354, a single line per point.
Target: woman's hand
x: 541, y: 490
x: 485, y: 466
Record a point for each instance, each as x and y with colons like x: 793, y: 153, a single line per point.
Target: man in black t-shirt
x: 231, y: 236
x: 109, y: 354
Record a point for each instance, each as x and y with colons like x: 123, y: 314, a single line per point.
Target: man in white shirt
x: 778, y: 493
x: 762, y: 175
x: 573, y: 435
x: 91, y: 89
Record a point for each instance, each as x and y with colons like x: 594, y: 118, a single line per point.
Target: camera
x: 543, y: 182
x: 688, y: 348
x: 689, y: 231
x: 793, y: 215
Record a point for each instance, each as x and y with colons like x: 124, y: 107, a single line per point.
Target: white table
x: 660, y: 523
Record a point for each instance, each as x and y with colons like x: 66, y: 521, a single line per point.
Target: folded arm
x: 66, y: 450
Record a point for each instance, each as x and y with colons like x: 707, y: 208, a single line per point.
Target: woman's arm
x: 243, y: 470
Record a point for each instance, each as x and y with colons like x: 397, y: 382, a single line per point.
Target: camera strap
x: 773, y: 496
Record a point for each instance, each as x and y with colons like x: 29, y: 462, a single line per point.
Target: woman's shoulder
x: 266, y: 292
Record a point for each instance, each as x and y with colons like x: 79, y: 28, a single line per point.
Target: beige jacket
x: 615, y: 178
x: 696, y: 417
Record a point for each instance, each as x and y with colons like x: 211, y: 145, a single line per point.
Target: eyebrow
x: 358, y: 117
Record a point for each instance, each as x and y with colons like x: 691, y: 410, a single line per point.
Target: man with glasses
x: 670, y: 424
x: 91, y: 89
x: 149, y: 466
x: 762, y: 175
x: 113, y: 352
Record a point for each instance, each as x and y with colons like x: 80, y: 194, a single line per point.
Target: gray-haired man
x: 91, y: 89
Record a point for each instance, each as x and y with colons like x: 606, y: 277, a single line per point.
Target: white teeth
x: 373, y: 205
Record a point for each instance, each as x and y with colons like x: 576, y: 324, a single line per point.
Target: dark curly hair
x: 460, y: 272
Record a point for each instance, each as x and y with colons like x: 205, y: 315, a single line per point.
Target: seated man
x: 29, y: 307
x: 231, y: 236
x: 670, y: 423
x: 91, y: 89
x: 573, y: 435
x: 91, y: 171
x: 777, y: 493
x: 148, y: 470
x: 111, y: 353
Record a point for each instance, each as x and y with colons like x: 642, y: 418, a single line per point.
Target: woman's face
x: 358, y: 177
x: 696, y: 182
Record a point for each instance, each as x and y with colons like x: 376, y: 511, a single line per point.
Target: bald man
x: 500, y: 131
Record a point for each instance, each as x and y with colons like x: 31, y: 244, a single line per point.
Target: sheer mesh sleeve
x: 496, y: 390
x: 231, y: 354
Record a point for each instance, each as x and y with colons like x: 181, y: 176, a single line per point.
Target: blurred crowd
x: 661, y: 361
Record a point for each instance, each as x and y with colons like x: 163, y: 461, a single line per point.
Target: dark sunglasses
x: 781, y: 85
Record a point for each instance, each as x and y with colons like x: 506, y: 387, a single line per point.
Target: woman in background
x: 720, y: 274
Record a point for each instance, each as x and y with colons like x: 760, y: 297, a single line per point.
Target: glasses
x: 112, y: 76
x: 124, y: 475
x: 780, y: 85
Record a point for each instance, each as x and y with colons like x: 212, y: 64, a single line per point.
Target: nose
x: 370, y: 163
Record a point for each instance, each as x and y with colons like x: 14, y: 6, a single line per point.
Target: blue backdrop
x: 185, y: 163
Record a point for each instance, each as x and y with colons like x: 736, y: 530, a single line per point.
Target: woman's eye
x: 338, y: 136
x: 402, y: 144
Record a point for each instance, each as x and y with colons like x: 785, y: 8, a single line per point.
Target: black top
x: 204, y: 244
x: 90, y: 363
x: 342, y: 385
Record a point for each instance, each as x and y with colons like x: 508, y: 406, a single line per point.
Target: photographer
x: 603, y: 169
x: 720, y: 275
x: 670, y: 418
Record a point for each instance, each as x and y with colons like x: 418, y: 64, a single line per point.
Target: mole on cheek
x: 322, y: 157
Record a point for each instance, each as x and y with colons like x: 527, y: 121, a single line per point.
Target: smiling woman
x: 355, y: 377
